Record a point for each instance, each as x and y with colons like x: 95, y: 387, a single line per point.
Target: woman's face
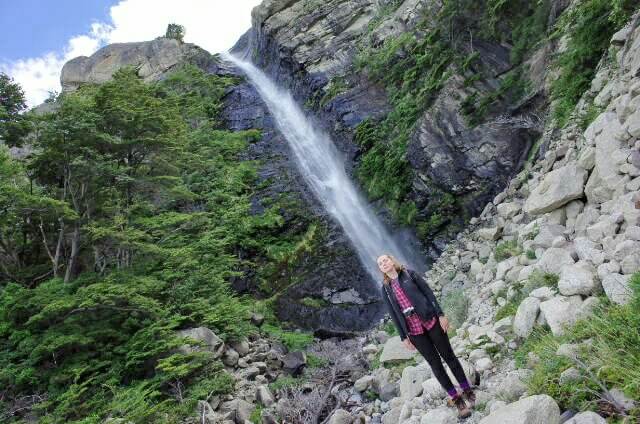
x: 385, y: 264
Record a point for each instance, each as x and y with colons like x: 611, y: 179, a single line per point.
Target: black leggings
x: 433, y: 344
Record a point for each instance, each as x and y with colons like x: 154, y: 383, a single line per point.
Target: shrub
x: 507, y: 249
x: 456, y: 306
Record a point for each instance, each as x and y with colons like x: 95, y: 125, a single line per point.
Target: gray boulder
x: 539, y: 409
x: 293, y: 362
x: 577, y: 279
x: 617, y: 288
x: 587, y: 418
x: 526, y: 316
x: 211, y: 342
x: 558, y: 187
x: 440, y: 415
x: 394, y: 350
x: 340, y: 416
x: 560, y: 312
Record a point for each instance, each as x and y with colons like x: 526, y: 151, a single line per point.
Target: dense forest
x: 125, y: 223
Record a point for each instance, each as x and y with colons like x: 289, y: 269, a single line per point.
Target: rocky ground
x: 574, y: 216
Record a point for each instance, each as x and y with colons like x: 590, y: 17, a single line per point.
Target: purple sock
x: 465, y: 385
x: 453, y: 393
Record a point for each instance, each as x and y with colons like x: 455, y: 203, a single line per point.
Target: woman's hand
x: 444, y: 323
x: 408, y: 344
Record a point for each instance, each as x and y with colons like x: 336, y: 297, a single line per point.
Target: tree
x: 13, y: 125
x: 175, y: 31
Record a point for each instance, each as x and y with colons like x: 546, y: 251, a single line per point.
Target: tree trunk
x: 75, y: 241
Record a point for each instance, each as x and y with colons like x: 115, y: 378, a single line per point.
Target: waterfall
x: 322, y: 166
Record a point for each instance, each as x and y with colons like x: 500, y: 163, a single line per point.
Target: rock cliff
x: 313, y: 48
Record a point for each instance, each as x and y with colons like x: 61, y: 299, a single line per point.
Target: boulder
x: 241, y: 346
x: 363, y: 383
x: 587, y: 418
x: 230, y: 357
x: 340, y: 416
x: 238, y: 410
x: 627, y: 253
x: 560, y: 312
x: 526, y: 316
x: 411, y: 381
x: 508, y: 210
x: 617, y: 288
x: 440, y: 415
x: 553, y: 260
x: 539, y: 409
x: 264, y: 396
x: 577, y: 279
x: 293, y: 362
x: 211, y: 342
x: 432, y: 389
x: 395, y: 350
x: 513, y: 385
x: 558, y: 187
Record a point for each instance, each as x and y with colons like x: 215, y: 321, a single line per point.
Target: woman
x: 422, y: 325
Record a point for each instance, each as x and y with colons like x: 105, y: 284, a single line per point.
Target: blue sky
x: 39, y: 26
x: 39, y: 36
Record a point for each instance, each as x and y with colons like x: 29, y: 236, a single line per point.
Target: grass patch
x: 284, y: 382
x: 456, y: 306
x: 612, y: 359
x: 293, y: 340
x: 314, y: 302
x: 315, y: 361
x: 507, y: 249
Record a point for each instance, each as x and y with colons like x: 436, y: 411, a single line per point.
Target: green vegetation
x: 175, y: 32
x: 536, y: 280
x: 294, y: 340
x: 611, y: 359
x: 13, y: 124
x: 590, y: 25
x: 455, y: 305
x: 390, y: 329
x: 284, y: 382
x: 413, y: 68
x: 123, y: 226
x: 336, y: 86
x: 315, y: 361
x: 507, y: 249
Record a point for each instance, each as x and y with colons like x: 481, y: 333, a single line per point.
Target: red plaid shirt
x: 415, y: 323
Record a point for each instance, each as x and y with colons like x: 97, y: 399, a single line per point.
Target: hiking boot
x: 463, y: 410
x: 470, y: 397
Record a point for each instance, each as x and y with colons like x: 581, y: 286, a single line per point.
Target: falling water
x: 321, y: 165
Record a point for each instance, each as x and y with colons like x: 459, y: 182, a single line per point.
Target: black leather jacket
x: 420, y: 295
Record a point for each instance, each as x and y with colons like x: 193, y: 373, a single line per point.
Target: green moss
x: 336, y: 86
x: 314, y: 302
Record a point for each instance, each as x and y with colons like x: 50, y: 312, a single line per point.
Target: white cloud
x: 214, y: 25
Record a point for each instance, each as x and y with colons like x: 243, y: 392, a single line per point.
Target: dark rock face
x: 471, y: 163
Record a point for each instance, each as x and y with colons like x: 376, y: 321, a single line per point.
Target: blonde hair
x: 396, y: 264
